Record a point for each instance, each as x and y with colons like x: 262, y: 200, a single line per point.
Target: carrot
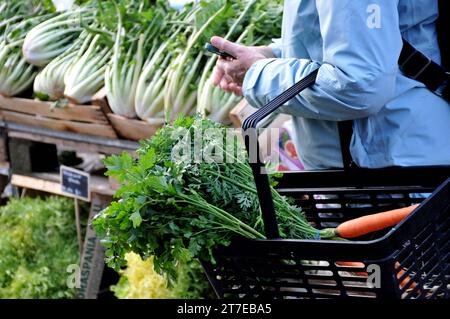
x: 367, y: 224
x: 405, y: 281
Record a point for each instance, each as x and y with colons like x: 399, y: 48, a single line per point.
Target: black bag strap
x: 418, y: 66
x: 345, y: 129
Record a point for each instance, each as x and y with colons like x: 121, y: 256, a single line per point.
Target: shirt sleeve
x: 357, y: 75
x: 276, y: 47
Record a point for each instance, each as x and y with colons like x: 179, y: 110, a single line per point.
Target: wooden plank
x: 133, y: 129
x: 60, y: 125
x: 99, y: 184
x: 100, y: 100
x: 83, y: 113
x: 68, y: 144
x: 49, y: 183
x: 93, y: 257
x: 240, y: 112
x: 36, y: 183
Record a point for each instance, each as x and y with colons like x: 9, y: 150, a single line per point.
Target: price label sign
x: 75, y: 183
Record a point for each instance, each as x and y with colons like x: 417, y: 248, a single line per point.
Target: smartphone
x: 215, y: 50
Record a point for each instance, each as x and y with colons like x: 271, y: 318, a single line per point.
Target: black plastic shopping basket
x: 410, y: 261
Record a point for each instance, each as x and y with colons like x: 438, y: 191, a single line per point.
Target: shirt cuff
x: 276, y: 47
x: 251, y: 78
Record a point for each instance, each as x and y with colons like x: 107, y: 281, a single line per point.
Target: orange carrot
x: 405, y: 281
x: 367, y: 224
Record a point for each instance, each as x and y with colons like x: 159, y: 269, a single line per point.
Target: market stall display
x: 186, y: 212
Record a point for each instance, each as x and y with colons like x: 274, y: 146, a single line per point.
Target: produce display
x: 38, y: 242
x: 140, y: 281
x: 149, y: 58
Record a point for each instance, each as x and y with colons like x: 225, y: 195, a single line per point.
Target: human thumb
x: 227, y: 46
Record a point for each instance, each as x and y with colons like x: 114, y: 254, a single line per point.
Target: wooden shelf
x: 132, y: 129
x: 75, y: 141
x: 49, y: 183
x: 83, y: 119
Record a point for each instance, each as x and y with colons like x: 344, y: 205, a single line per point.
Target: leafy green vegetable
x: 177, y: 208
x: 140, y: 281
x: 38, y: 242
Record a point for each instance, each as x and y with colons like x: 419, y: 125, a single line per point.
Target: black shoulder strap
x: 418, y: 66
x: 345, y: 135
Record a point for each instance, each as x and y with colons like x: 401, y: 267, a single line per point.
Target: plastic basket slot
x: 293, y: 294
x: 324, y: 288
x: 313, y: 264
x: 360, y: 285
x: 319, y: 272
x: 376, y: 204
x: 419, y: 196
x: 328, y: 206
x: 289, y: 281
x: 320, y: 276
x: 321, y: 282
x: 294, y: 289
x: 351, y: 274
x: 323, y: 197
x: 326, y: 293
x: 361, y: 294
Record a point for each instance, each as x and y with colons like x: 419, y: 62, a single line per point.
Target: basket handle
x: 250, y: 134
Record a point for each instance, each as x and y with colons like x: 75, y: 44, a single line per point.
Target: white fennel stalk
x: 85, y: 76
x: 16, y: 75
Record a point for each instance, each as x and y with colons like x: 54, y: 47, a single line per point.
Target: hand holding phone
x: 211, y: 48
x: 230, y: 71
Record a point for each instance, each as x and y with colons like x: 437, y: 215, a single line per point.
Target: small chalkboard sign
x: 75, y: 183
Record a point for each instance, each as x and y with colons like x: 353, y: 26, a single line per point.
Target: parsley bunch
x: 179, y: 209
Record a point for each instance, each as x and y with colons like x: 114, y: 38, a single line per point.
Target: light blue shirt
x: 397, y: 121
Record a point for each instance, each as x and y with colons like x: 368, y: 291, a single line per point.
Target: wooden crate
x: 240, y: 112
x: 82, y: 119
x: 132, y: 129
